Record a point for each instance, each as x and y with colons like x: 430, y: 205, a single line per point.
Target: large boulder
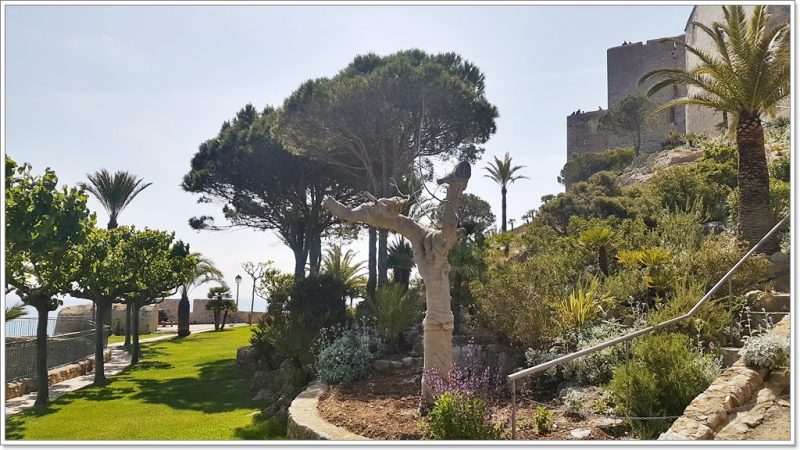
x: 780, y: 271
x: 246, y: 358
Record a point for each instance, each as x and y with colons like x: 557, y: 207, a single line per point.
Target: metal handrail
x: 596, y: 348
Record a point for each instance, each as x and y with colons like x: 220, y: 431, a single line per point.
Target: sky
x: 138, y: 88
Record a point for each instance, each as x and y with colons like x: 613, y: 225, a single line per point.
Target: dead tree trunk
x: 431, y: 248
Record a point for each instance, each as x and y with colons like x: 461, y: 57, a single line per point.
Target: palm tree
x: 598, y: 239
x: 342, y: 266
x: 401, y: 261
x: 14, y: 311
x: 747, y: 78
x: 502, y: 173
x: 114, y: 192
x: 203, y: 272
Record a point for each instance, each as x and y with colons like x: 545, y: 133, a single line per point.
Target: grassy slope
x: 114, y: 338
x: 183, y: 389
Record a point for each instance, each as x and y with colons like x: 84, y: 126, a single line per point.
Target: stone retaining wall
x: 56, y: 375
x: 305, y: 423
x: 707, y: 414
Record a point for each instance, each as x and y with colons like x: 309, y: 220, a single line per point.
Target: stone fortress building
x: 625, y: 66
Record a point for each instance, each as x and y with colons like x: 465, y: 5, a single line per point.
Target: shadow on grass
x: 153, y: 365
x: 219, y: 387
x: 262, y: 428
x: 15, y: 428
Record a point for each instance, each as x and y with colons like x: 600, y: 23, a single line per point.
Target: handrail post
x: 513, y: 409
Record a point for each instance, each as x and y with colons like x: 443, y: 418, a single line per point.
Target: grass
x: 182, y: 389
x: 113, y: 339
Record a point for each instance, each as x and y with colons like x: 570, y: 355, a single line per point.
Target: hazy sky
x: 138, y: 88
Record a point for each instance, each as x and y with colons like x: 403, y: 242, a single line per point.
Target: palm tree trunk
x: 183, y: 315
x: 383, y: 257
x: 372, y: 276
x: 216, y: 319
x: 224, y: 319
x: 755, y: 216
x: 503, y: 192
x: 99, y: 346
x: 602, y: 259
x: 42, y: 380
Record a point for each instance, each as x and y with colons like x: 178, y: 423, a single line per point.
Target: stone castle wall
x: 627, y: 63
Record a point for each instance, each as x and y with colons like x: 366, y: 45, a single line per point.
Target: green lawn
x: 183, y: 389
x: 113, y: 339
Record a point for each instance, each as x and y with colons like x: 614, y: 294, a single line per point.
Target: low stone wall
x: 707, y: 414
x: 305, y: 423
x: 56, y: 375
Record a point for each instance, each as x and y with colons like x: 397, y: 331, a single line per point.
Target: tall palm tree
x: 746, y: 78
x: 114, y: 192
x: 343, y: 266
x: 204, y: 272
x: 502, y: 173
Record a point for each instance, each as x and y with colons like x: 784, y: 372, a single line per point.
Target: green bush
x: 544, y: 419
x: 395, y: 311
x: 663, y: 376
x: 347, y: 357
x: 781, y: 168
x: 765, y: 351
x: 583, y: 166
x: 711, y: 322
x: 716, y: 256
x: 460, y: 417
x: 679, y: 188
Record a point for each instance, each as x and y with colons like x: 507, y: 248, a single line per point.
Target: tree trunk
x: 602, y: 259
x: 372, y: 276
x: 383, y: 257
x: 438, y: 321
x: 299, y: 262
x: 183, y: 315
x: 99, y: 345
x: 42, y: 380
x: 314, y: 254
x: 224, y: 319
x: 127, y: 326
x: 402, y: 276
x: 503, y: 193
x: 755, y: 215
x: 135, y: 333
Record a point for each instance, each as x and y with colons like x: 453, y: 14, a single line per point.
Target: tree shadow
x: 262, y: 428
x: 15, y: 428
x: 153, y: 365
x: 219, y: 387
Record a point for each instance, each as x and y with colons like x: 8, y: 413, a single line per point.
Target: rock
x: 780, y: 270
x: 264, y: 395
x: 261, y: 379
x: 381, y: 365
x: 685, y: 429
x: 609, y: 425
x: 768, y: 301
x: 246, y: 358
x: 580, y: 433
x: 715, y: 227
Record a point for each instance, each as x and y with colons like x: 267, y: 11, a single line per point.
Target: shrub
x: 711, y: 323
x: 765, y: 351
x: 716, y: 256
x: 544, y: 419
x: 594, y: 369
x: 458, y: 416
x: 583, y: 166
x: 573, y: 403
x: 781, y: 168
x: 395, y: 311
x: 468, y: 376
x: 319, y: 300
x: 677, y: 188
x: 347, y: 357
x: 664, y: 374
x: 581, y: 306
x: 675, y: 139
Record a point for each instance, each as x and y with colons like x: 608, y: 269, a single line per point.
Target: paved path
x: 120, y: 359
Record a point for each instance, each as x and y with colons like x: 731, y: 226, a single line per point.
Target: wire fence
x: 26, y: 326
x: 20, y: 353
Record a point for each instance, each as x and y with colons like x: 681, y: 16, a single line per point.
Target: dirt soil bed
x: 384, y: 407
